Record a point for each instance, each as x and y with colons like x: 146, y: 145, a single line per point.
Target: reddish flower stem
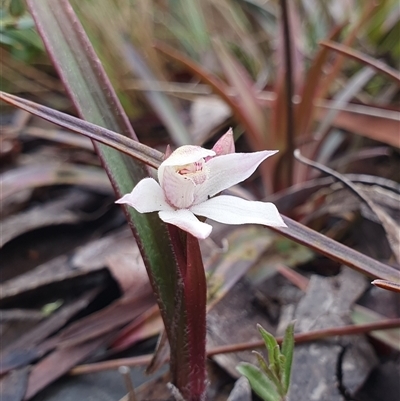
x: 196, y: 302
x: 193, y: 368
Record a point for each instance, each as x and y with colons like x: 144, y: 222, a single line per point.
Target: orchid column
x: 189, y: 181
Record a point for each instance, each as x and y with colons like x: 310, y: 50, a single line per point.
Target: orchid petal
x: 228, y: 170
x: 147, y: 196
x: 184, y: 155
x: 232, y: 210
x: 187, y: 221
x: 178, y: 189
x: 187, y: 154
x: 225, y: 144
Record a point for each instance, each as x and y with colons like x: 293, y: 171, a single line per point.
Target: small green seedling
x: 271, y: 381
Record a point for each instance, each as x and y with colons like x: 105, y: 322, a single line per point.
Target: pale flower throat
x: 195, y: 172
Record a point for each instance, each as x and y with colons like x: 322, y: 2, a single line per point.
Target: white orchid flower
x: 189, y: 180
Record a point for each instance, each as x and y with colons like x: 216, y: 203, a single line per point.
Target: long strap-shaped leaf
x: 337, y: 251
x: 95, y: 100
x: 124, y: 144
x: 370, y: 61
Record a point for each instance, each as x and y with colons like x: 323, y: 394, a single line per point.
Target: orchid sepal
x: 189, y: 180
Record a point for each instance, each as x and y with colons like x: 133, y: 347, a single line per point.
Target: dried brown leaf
x: 60, y: 362
x: 24, y: 349
x: 13, y: 385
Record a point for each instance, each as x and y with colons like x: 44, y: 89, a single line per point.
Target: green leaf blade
x: 270, y: 343
x: 287, y: 351
x: 259, y: 382
x: 267, y: 370
x: 95, y: 100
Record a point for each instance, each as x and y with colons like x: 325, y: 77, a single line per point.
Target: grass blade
x: 337, y: 251
x: 304, y: 111
x: 157, y: 99
x: 218, y: 86
x: 355, y: 54
x: 246, y: 95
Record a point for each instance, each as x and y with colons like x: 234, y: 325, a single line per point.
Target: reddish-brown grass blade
x: 355, y: 54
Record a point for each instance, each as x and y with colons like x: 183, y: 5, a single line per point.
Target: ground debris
x: 330, y: 369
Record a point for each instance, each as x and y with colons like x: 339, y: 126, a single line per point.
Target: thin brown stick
x: 313, y: 335
x: 111, y: 365
x: 126, y: 374
x: 231, y: 348
x: 387, y: 285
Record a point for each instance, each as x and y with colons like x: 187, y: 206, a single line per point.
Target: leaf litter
x: 106, y: 299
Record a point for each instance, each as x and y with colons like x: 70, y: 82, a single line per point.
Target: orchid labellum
x: 189, y: 180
